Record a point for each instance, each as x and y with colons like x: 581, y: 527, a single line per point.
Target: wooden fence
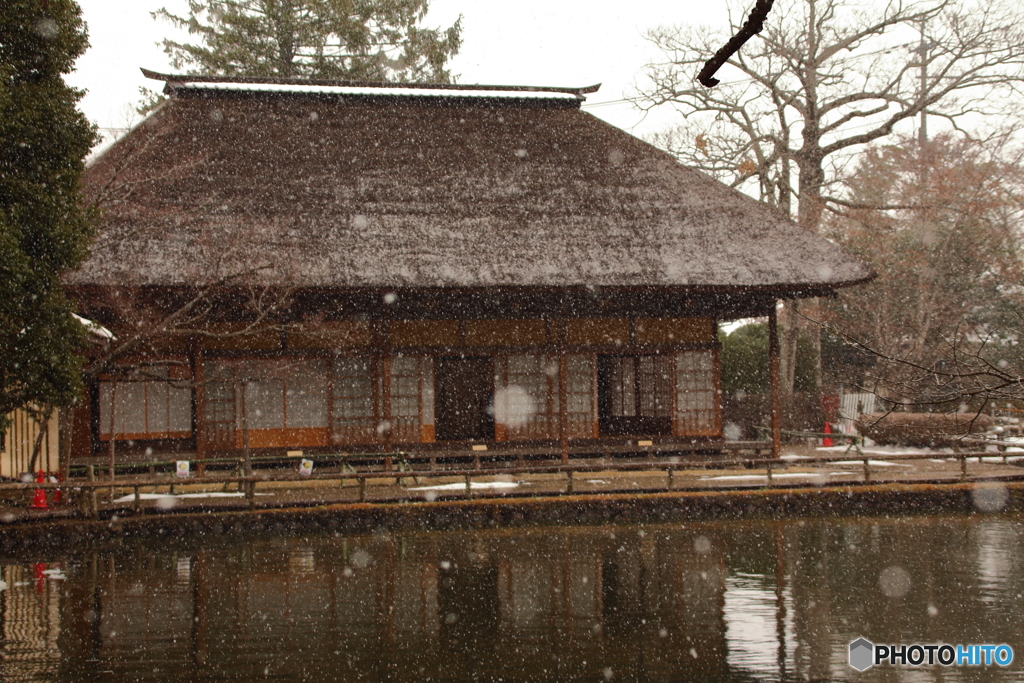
x: 378, y: 474
x: 19, y: 441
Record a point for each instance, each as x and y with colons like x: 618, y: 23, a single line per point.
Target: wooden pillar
x: 113, y: 428
x: 200, y: 404
x: 385, y: 383
x: 773, y: 378
x: 563, y: 392
x: 66, y: 432
x: 382, y: 340
x: 242, y: 400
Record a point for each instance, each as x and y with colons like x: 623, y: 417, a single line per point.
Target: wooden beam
x: 773, y: 379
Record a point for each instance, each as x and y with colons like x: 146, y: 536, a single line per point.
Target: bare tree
x: 154, y: 329
x: 942, y: 320
x: 138, y: 317
x: 822, y: 79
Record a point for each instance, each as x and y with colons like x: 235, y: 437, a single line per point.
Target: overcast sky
x: 529, y: 42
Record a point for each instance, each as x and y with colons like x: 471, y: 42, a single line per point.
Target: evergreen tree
x: 362, y: 40
x: 744, y: 361
x: 44, y: 231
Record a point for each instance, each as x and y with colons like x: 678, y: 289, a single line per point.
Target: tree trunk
x: 812, y: 178
x: 787, y: 345
x: 44, y: 428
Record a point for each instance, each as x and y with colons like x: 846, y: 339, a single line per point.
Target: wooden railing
x: 85, y: 493
x: 406, y: 459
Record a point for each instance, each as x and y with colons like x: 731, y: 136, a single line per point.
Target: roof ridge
x: 185, y: 78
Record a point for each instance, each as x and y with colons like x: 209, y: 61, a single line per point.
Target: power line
x: 603, y: 104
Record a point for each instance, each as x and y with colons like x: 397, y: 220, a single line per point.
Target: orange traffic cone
x: 827, y: 442
x: 39, y: 500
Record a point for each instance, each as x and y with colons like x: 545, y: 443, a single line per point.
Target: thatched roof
x: 356, y: 185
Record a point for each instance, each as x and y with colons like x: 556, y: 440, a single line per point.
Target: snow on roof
x: 378, y: 91
x: 94, y: 328
x: 368, y: 89
x: 395, y: 192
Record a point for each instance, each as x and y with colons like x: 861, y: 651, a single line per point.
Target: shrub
x: 932, y: 430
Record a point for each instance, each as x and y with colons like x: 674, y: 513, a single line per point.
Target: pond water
x: 730, y: 601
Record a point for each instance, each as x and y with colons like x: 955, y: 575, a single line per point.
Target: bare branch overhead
x: 753, y: 26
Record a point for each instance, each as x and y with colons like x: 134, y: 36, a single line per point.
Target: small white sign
x: 306, y: 467
x: 182, y: 468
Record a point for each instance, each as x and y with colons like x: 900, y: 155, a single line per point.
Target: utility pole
x: 922, y: 51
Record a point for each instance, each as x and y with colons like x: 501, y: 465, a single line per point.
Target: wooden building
x: 367, y: 267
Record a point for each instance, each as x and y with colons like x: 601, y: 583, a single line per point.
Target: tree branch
x: 753, y: 25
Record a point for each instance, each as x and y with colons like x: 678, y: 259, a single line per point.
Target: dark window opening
x: 464, y: 397
x: 634, y: 395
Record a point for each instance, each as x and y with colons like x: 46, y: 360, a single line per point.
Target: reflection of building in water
x: 549, y: 604
x: 557, y: 605
x: 30, y: 624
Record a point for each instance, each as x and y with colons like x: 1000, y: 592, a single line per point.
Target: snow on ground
x: 884, y: 450
x: 472, y: 485
x: 783, y: 475
x: 873, y: 463
x: 161, y: 496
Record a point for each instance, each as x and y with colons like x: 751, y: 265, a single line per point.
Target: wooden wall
x: 19, y: 441
x: 249, y: 358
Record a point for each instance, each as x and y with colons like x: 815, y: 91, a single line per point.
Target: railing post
x: 469, y: 487
x: 867, y: 471
x: 963, y: 467
x: 670, y: 477
x: 362, y: 489
x: 94, y: 503
x: 569, y: 487
x: 83, y: 501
